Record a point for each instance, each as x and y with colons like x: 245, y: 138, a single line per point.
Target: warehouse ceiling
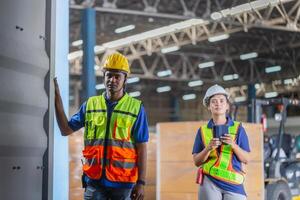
x: 266, y: 33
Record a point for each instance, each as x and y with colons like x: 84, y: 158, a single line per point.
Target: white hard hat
x: 213, y: 90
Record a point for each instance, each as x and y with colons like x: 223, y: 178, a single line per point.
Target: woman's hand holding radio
x: 226, y: 138
x: 214, y: 143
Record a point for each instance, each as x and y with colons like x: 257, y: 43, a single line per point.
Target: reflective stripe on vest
x: 220, y: 166
x: 112, y: 136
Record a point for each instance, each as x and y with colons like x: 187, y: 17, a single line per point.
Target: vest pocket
x: 123, y: 167
x: 99, y: 120
x: 89, y: 129
x: 122, y: 128
x: 92, y: 166
x: 97, y: 127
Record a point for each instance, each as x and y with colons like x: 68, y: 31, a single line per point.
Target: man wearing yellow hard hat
x: 115, y: 136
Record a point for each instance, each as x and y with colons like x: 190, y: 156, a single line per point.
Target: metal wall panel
x: 24, y: 68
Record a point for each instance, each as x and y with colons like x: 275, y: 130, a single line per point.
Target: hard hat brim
x: 115, y: 70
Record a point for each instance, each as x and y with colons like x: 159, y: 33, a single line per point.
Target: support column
x: 251, y: 102
x: 58, y: 178
x: 175, y: 115
x: 88, y: 37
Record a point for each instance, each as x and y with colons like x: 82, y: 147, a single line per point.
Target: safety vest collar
x: 117, y: 110
x: 229, y: 122
x: 123, y: 98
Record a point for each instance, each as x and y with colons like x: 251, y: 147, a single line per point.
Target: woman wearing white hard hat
x: 220, y: 148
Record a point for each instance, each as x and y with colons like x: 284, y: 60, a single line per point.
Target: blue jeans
x: 106, y: 193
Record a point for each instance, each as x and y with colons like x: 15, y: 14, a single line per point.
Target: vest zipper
x: 105, y: 145
x: 106, y: 139
x: 95, y: 132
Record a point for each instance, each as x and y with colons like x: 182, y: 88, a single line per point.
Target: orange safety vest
x: 109, y: 145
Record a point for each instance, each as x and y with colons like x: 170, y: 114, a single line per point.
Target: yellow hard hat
x: 116, y: 61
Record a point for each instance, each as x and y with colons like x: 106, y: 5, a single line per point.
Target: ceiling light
x: 169, y: 49
x: 163, y: 89
x: 288, y: 81
x: 206, y: 64
x: 164, y: 73
x: 230, y: 77
x: 96, y: 67
x: 240, y: 99
x: 77, y: 43
x: 133, y: 80
x: 125, y: 28
x: 195, y: 83
x: 216, y: 15
x: 257, y: 86
x: 100, y: 86
x: 75, y: 54
x: 135, y: 94
x: 271, y: 94
x: 248, y: 56
x: 188, y: 97
x: 218, y: 38
x: 272, y: 69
